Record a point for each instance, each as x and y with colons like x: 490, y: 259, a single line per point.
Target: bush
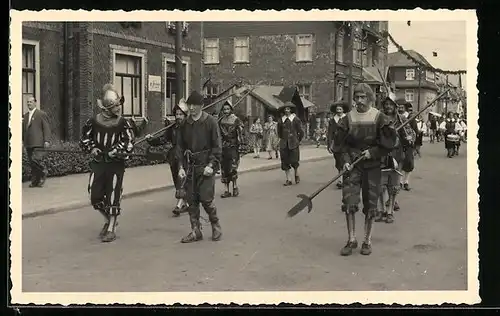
x: 62, y: 164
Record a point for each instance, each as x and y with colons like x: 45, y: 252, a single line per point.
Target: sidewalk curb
x: 80, y: 204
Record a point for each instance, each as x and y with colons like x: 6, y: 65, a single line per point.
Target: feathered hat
x: 110, y: 97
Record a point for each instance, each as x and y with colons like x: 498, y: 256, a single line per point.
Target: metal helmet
x: 391, y: 96
x: 183, y: 106
x: 110, y: 97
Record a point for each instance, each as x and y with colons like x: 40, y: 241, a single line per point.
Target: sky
x: 447, y: 38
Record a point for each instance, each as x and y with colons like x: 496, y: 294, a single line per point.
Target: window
x: 211, y: 91
x: 241, y: 50
x: 339, y: 52
x: 340, y: 91
x: 409, y: 95
x: 305, y: 91
x: 365, y: 54
x: 30, y: 73
x: 429, y: 76
x: 304, y: 48
x: 356, y: 53
x: 410, y: 74
x: 211, y: 53
x: 171, y: 99
x: 128, y: 81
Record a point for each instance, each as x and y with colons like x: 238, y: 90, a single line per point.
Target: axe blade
x: 301, y: 205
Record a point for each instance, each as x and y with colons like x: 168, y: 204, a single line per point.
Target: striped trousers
x: 364, y: 182
x: 106, y: 185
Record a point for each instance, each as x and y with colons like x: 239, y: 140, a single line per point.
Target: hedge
x: 62, y: 164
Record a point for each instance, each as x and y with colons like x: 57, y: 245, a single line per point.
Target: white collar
x: 291, y: 117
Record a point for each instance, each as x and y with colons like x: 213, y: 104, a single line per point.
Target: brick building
x: 309, y: 55
x: 416, y: 86
x: 65, y: 65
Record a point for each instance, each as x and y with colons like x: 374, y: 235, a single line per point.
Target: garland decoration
x: 421, y: 65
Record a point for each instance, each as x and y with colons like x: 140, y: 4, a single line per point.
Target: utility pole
x: 419, y: 71
x: 446, y: 98
x: 202, y: 45
x: 351, y: 65
x: 179, y: 75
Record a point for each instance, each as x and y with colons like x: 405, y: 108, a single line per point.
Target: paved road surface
x: 425, y: 249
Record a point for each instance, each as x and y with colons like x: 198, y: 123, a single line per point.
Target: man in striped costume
x: 108, y: 137
x: 363, y: 132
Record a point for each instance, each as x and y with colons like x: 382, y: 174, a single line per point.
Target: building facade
x: 411, y: 82
x: 66, y: 64
x: 314, y: 56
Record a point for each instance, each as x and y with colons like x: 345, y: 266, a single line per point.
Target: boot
x: 216, y: 231
x: 194, y: 235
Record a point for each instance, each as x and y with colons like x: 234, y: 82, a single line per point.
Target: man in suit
x: 36, y: 134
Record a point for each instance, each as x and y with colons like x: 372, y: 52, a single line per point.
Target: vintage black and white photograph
x: 247, y: 157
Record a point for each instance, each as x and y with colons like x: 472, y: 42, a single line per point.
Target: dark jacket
x: 36, y: 132
x: 290, y: 133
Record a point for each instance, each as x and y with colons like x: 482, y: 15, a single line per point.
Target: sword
x: 306, y: 200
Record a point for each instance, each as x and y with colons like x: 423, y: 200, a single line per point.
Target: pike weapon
x: 149, y: 154
x: 306, y: 200
x: 204, y: 108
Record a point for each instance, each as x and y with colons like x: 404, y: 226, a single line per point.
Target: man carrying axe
x: 368, y: 133
x: 170, y: 137
x: 108, y: 137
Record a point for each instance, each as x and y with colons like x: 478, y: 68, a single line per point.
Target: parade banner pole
x: 306, y: 200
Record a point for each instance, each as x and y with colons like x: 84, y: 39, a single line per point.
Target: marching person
x: 199, y: 152
x: 169, y: 138
x: 272, y: 140
x: 36, y: 134
x: 363, y: 132
x: 290, y: 133
x: 408, y: 165
x: 339, y: 109
x: 108, y: 136
x: 231, y: 130
x: 451, y: 137
x: 421, y: 129
x: 391, y: 163
x: 433, y: 127
x: 460, y: 128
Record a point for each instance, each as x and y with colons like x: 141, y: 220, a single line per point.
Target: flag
x: 409, y: 23
x: 434, y: 54
x: 460, y: 81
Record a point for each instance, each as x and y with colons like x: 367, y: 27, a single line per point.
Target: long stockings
x: 351, y: 227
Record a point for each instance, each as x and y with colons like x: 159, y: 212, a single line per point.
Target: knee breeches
x: 106, y: 185
x: 364, y: 182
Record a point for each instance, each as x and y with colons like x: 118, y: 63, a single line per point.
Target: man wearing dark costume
x: 391, y: 163
x: 108, y: 137
x: 169, y: 138
x: 290, y: 133
x: 363, y: 132
x: 405, y: 110
x: 199, y: 152
x: 231, y: 129
x: 451, y: 136
x: 338, y: 109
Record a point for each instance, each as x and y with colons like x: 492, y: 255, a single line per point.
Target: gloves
x: 182, y: 173
x: 96, y: 152
x: 208, y: 171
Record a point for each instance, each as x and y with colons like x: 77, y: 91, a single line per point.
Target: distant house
x: 412, y: 84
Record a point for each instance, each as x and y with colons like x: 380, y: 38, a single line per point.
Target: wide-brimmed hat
x: 342, y: 103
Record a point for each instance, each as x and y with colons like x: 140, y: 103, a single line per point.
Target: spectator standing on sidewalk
x: 36, y: 134
x: 272, y: 140
x: 256, y: 135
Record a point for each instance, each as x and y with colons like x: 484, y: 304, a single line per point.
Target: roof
x: 268, y: 95
x: 372, y: 75
x: 306, y: 103
x: 413, y: 84
x: 398, y: 59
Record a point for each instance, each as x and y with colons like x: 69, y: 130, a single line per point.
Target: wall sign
x: 154, y: 83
